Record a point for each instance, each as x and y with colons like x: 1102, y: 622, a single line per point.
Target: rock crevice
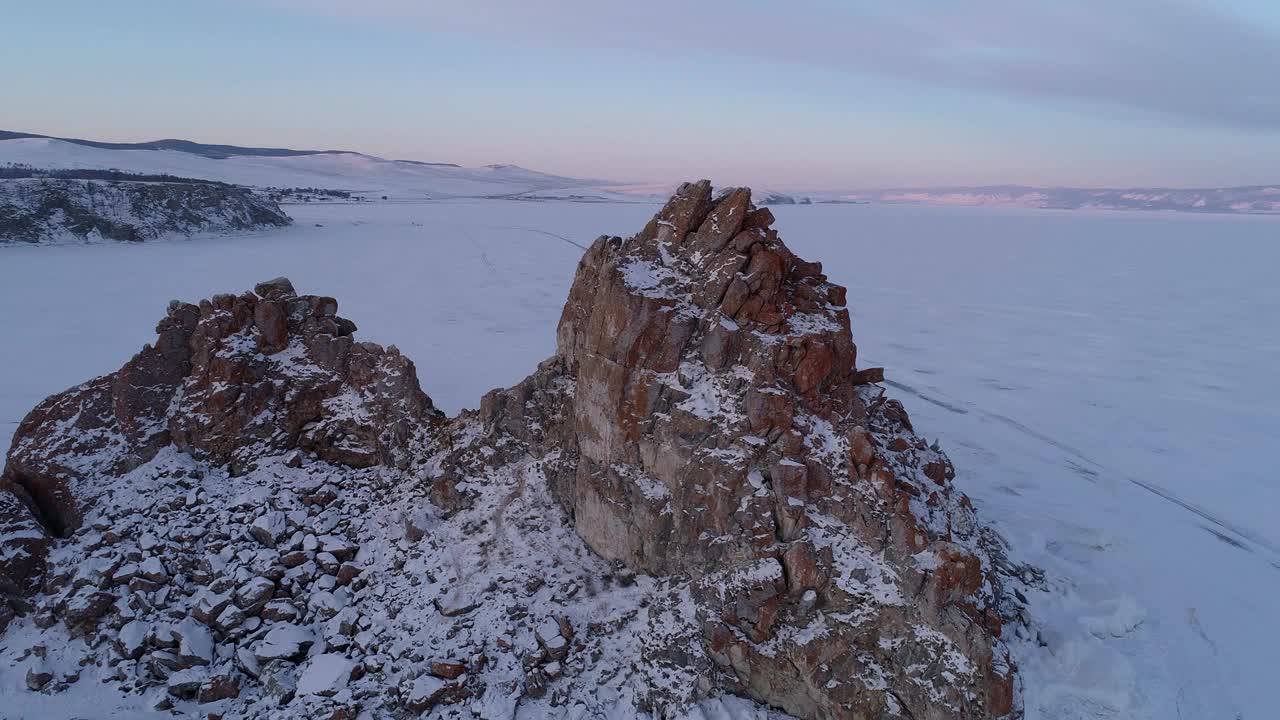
x: 45, y: 509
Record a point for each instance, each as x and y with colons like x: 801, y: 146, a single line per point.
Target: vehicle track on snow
x: 1091, y: 470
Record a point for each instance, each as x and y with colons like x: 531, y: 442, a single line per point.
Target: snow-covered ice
x: 1104, y: 383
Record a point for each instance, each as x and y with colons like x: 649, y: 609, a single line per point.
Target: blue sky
x: 804, y: 94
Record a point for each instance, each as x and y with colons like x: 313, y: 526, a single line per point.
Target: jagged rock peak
x: 717, y: 263
x: 707, y: 422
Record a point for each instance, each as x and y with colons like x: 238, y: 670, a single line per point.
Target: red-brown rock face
x: 715, y: 429
x: 229, y: 380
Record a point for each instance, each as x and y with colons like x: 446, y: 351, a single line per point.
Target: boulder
x: 868, y: 376
x: 218, y: 687
x: 153, y: 569
x: 38, y: 677
x: 552, y: 639
x: 424, y: 692
x: 275, y: 289
x: 195, y: 642
x: 185, y: 684
x: 279, y: 681
x: 131, y: 640
x: 284, y: 641
x: 254, y: 594
x: 83, y: 611
x: 279, y: 610
x: 448, y: 669
x: 325, y: 675
x: 269, y: 528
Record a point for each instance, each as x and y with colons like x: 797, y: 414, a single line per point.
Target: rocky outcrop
x: 229, y: 381
x: 45, y: 210
x: 698, y: 496
x: 711, y: 425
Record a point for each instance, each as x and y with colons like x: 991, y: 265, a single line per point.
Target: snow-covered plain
x: 1104, y: 383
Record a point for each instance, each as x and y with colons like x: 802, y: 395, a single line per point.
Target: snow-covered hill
x: 354, y: 172
x: 208, y: 150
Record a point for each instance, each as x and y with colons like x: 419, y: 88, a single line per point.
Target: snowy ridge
x: 353, y: 172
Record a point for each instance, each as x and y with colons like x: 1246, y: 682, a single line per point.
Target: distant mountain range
x: 374, y: 177
x: 358, y: 174
x: 216, y: 152
x: 1264, y: 199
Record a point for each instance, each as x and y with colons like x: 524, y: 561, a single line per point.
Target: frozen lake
x: 1104, y: 382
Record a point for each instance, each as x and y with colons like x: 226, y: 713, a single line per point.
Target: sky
x: 806, y: 94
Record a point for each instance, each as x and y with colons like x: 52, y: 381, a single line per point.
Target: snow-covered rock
x: 325, y: 675
x: 132, y: 638
x: 424, y: 692
x: 284, y: 641
x: 195, y: 642
x: 49, y: 210
x: 268, y: 528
